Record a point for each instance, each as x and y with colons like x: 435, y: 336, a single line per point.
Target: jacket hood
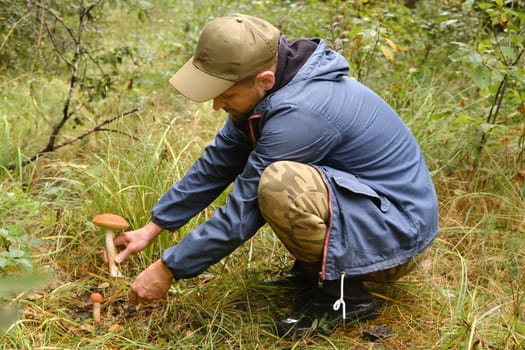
x: 323, y: 64
x: 292, y: 56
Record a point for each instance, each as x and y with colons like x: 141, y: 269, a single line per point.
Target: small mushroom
x: 111, y: 223
x: 96, y: 299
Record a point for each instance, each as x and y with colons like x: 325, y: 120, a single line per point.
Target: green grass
x: 468, y: 292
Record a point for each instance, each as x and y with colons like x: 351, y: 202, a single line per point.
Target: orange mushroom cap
x: 96, y: 297
x: 111, y: 221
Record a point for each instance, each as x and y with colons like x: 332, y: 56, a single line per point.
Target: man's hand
x: 152, y: 283
x: 135, y: 241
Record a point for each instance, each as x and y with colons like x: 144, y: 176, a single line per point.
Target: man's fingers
x: 121, y: 240
x: 118, y: 259
x: 122, y: 256
x: 135, y: 299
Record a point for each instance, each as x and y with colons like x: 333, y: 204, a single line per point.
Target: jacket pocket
x: 352, y: 184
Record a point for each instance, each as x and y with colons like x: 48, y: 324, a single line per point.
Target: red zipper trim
x: 329, y: 230
x: 250, y: 127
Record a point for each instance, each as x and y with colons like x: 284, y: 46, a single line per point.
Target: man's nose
x: 218, y: 104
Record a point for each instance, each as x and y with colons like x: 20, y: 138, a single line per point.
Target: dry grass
x: 468, y: 292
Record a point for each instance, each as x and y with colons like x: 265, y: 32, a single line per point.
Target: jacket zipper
x: 251, y: 128
x: 322, y: 273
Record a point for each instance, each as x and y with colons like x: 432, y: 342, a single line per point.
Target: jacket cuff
x: 172, y: 272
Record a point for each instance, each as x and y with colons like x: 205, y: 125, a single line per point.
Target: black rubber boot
x: 318, y: 314
x: 299, y: 276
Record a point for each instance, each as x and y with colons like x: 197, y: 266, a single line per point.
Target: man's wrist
x: 166, y: 268
x: 153, y: 229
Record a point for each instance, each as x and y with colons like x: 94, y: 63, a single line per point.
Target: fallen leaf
x: 426, y: 265
x: 86, y: 327
x: 34, y: 296
x: 520, y: 177
x: 190, y: 333
x: 387, y: 53
x: 394, y: 46
x: 114, y: 327
x: 377, y: 332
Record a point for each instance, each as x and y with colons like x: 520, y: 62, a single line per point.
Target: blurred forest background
x: 89, y: 124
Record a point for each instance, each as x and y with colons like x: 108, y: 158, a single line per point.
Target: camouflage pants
x: 294, y: 200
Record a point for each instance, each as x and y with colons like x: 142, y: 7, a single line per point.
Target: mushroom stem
x: 112, y: 253
x: 111, y: 222
x: 96, y: 299
x: 96, y: 312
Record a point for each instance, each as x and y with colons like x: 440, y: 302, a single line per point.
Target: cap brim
x: 196, y: 85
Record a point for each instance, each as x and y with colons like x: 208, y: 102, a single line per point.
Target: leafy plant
x: 67, y: 28
x: 495, y: 63
x: 15, y: 242
x: 12, y: 285
x: 16, y: 245
x: 366, y: 35
x: 468, y: 291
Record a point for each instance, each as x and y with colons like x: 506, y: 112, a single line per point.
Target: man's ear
x: 266, y: 80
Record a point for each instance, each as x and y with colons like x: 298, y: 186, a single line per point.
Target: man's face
x: 239, y: 100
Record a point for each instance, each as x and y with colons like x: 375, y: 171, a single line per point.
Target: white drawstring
x: 341, y: 300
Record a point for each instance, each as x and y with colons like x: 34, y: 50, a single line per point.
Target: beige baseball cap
x: 230, y: 49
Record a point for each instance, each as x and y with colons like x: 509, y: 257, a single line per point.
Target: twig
x: 58, y: 18
x: 99, y: 127
x: 494, y: 109
x: 58, y: 51
x: 71, y: 106
x: 368, y: 59
x: 72, y: 82
x: 11, y: 31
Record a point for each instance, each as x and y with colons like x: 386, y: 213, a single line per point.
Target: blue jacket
x: 383, y: 204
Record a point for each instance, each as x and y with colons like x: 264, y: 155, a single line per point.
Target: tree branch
x: 99, y: 127
x: 13, y: 27
x: 72, y: 82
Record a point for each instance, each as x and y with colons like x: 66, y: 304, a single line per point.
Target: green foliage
x: 495, y: 64
x: 368, y: 36
x: 66, y: 42
x: 16, y: 247
x: 438, y: 63
x: 18, y: 32
x: 13, y: 285
x: 15, y: 242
